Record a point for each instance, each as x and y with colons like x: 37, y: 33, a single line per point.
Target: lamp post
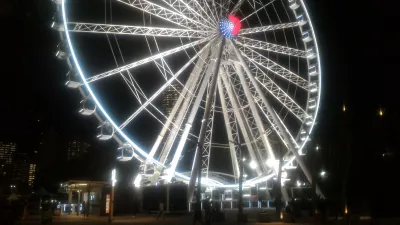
x: 113, y: 181
x: 241, y: 173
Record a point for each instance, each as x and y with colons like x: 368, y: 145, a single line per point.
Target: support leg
x: 275, y: 119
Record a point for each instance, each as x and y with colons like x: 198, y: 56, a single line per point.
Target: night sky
x: 359, y: 51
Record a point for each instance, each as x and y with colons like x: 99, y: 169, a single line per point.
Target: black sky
x: 359, y: 51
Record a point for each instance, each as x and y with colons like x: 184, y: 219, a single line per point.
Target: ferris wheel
x: 244, y: 78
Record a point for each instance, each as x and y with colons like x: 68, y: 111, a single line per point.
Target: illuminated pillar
x: 79, y: 201
x: 70, y: 197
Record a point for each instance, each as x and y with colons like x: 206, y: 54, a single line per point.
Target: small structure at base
x: 92, y: 193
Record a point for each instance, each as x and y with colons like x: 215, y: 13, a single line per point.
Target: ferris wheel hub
x: 230, y: 27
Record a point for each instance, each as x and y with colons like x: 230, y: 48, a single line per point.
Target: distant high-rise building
x: 32, y: 174
x: 24, y: 169
x: 77, y: 148
x: 170, y: 96
x: 7, y: 152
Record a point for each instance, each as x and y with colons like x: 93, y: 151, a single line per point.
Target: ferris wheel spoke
x: 192, y: 115
x: 248, y: 42
x: 255, y: 114
x: 255, y: 11
x: 278, y: 93
x: 272, y: 66
x: 206, y: 148
x: 166, y: 14
x: 146, y: 60
x: 236, y: 107
x: 268, y: 28
x: 205, y: 7
x: 136, y: 30
x: 159, y: 91
x: 274, y: 127
x: 186, y: 9
x: 237, y: 7
x: 180, y: 108
x: 230, y: 126
x: 274, y: 116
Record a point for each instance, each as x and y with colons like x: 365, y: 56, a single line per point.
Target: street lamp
x: 113, y: 181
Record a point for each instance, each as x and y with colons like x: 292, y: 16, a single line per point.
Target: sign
x: 107, y: 203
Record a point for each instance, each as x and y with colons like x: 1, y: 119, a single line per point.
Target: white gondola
x: 58, y: 2
x: 106, y: 131
x: 62, y: 51
x: 312, y: 70
x: 57, y: 26
x: 303, y: 151
x: 306, y: 35
x: 309, y: 122
x: 293, y: 4
x: 312, y: 103
x: 303, y: 135
x: 311, y: 53
x: 301, y: 19
x: 313, y: 87
x: 125, y: 153
x: 88, y: 107
x: 149, y: 168
x: 72, y: 80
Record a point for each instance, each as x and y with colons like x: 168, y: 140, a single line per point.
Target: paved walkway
x: 142, y: 220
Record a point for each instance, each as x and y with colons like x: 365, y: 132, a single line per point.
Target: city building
x: 170, y: 96
x: 7, y: 152
x: 76, y: 148
x: 24, y: 169
x: 32, y: 174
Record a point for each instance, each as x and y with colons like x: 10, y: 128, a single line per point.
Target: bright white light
x: 270, y: 163
x: 137, y: 180
x: 114, y: 177
x: 244, y: 159
x: 323, y: 173
x: 263, y: 188
x: 317, y: 148
x: 244, y: 175
x: 298, y: 183
x: 253, y: 165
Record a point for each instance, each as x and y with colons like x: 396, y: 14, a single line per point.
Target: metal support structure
x: 252, y: 43
x: 146, y: 60
x: 268, y: 28
x: 274, y: 67
x: 188, y: 126
x: 241, y: 120
x: 165, y: 14
x: 276, y: 119
x: 230, y: 125
x: 240, y: 198
x: 183, y: 97
x: 111, y: 215
x: 257, y: 119
x: 136, y: 30
x: 206, y: 117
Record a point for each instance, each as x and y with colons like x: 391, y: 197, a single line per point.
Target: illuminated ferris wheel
x: 247, y: 74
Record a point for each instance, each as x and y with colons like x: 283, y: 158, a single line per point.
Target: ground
x: 181, y: 219
x: 184, y: 218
